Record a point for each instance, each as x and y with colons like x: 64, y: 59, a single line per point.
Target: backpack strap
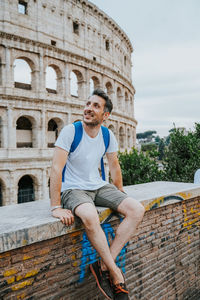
x: 76, y: 141
x: 77, y: 137
x: 106, y: 139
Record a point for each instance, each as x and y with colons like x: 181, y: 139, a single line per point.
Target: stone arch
x: 26, y: 189
x: 126, y: 102
x: 119, y: 98
x: 48, y: 186
x: 23, y: 79
x: 32, y: 59
x: 54, y: 126
x: 121, y: 137
x: 109, y: 89
x: 50, y: 80
x: 76, y: 83
x: 94, y: 83
x: 2, y: 192
x: 25, y: 132
x: 53, y: 86
x: 112, y: 128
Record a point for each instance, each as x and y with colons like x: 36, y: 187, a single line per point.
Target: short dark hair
x: 108, y: 105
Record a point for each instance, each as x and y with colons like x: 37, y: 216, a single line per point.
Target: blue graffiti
x: 165, y: 199
x: 89, y: 254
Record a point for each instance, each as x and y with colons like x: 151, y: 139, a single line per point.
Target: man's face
x: 93, y: 113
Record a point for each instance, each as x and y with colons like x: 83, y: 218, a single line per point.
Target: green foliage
x: 148, y: 147
x: 138, y: 168
x: 182, y: 157
x: 161, y: 149
x: 157, y: 139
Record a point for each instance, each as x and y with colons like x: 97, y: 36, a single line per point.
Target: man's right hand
x: 65, y: 215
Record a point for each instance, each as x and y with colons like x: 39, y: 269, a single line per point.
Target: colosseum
x: 82, y: 48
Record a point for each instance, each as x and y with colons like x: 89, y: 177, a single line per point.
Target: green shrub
x: 138, y: 168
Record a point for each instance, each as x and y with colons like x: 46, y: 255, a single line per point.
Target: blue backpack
x: 77, y: 138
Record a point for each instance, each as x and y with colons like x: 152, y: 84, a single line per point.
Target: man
x: 82, y: 188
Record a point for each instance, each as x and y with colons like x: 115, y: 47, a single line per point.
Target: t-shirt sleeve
x: 66, y: 137
x: 113, y: 145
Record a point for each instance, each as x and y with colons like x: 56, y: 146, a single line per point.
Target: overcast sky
x: 165, y: 35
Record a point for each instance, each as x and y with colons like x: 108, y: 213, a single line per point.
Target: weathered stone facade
x: 70, y: 37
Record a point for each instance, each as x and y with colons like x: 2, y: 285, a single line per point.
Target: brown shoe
x: 103, y: 280
x: 120, y: 291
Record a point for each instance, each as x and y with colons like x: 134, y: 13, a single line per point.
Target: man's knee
x: 132, y: 208
x: 88, y: 215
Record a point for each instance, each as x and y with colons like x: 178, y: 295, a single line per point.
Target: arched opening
x: 73, y: 84
x: 121, y: 137
x: 94, y: 84
x: 22, y: 74
x: 91, y: 86
x: 52, y: 133
x: 49, y: 188
x: 51, y: 80
x: 112, y: 128
x: 76, y: 83
x: 24, y: 133
x: 26, y: 189
x: 119, y: 98
x: 109, y: 90
x: 126, y: 103
x: 128, y: 138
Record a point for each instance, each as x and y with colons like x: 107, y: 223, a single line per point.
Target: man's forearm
x: 55, y: 187
x: 116, y: 176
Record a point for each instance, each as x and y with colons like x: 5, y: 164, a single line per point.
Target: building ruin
x: 85, y: 49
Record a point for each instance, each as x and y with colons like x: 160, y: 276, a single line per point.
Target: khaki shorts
x: 106, y: 196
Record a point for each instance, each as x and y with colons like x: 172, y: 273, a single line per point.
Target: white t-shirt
x: 82, y: 165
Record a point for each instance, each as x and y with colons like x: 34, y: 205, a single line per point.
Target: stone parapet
x: 43, y: 259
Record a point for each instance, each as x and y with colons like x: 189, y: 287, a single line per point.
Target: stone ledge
x: 28, y: 223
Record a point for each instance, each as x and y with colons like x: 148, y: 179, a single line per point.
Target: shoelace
x: 120, y: 288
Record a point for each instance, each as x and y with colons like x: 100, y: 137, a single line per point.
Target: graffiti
x: 89, y: 254
x: 190, y: 215
x: 191, y: 218
x: 162, y: 200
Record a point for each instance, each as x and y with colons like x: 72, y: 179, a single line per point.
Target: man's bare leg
x: 133, y: 213
x: 89, y: 216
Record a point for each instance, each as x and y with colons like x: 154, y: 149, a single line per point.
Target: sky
x: 165, y: 35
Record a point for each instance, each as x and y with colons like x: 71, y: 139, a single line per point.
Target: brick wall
x: 161, y: 262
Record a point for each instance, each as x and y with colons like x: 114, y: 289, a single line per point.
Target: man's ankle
x: 103, y: 266
x: 117, y: 277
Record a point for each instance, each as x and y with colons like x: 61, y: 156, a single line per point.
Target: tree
x: 182, y: 157
x: 157, y: 140
x: 161, y: 148
x: 147, y: 135
x: 148, y: 147
x: 138, y: 168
